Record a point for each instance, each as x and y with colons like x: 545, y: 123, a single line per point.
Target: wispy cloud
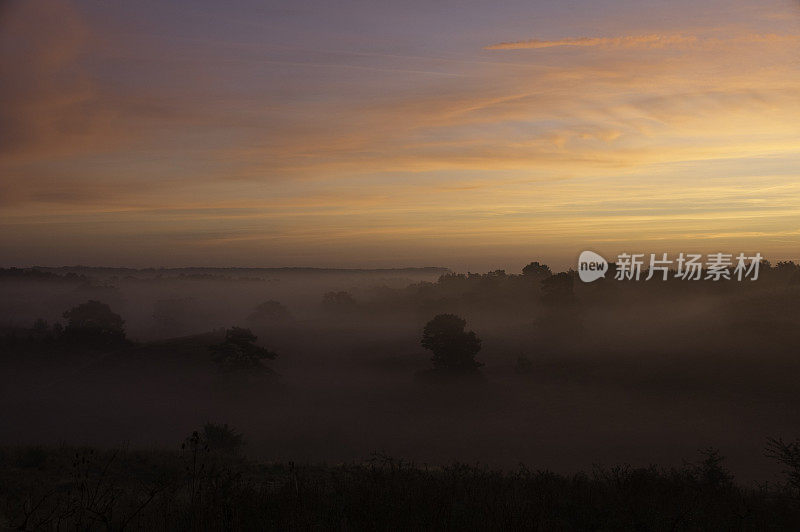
x: 639, y: 41
x: 642, y: 41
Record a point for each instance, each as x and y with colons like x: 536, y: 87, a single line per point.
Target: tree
x: 536, y: 269
x: 452, y: 347
x: 94, y: 322
x: 239, y: 353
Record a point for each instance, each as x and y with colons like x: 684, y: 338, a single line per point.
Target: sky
x: 473, y: 135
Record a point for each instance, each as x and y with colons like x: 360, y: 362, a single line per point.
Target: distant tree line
x: 34, y: 274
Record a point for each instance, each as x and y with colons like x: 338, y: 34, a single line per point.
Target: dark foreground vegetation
x: 207, y: 485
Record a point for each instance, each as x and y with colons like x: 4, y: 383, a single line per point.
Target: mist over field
x: 573, y: 374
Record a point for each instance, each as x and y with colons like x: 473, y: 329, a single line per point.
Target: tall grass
x: 200, y: 488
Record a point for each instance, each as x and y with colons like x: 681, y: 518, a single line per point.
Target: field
x: 206, y: 489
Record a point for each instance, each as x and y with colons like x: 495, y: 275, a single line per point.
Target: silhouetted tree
x: 452, y: 347
x: 94, y: 323
x: 536, y: 269
x: 788, y: 271
x: 239, y: 353
x: 786, y: 266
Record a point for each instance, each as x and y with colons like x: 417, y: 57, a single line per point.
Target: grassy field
x: 202, y: 487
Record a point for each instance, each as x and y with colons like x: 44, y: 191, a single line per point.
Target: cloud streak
x: 641, y: 41
x: 651, y: 41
